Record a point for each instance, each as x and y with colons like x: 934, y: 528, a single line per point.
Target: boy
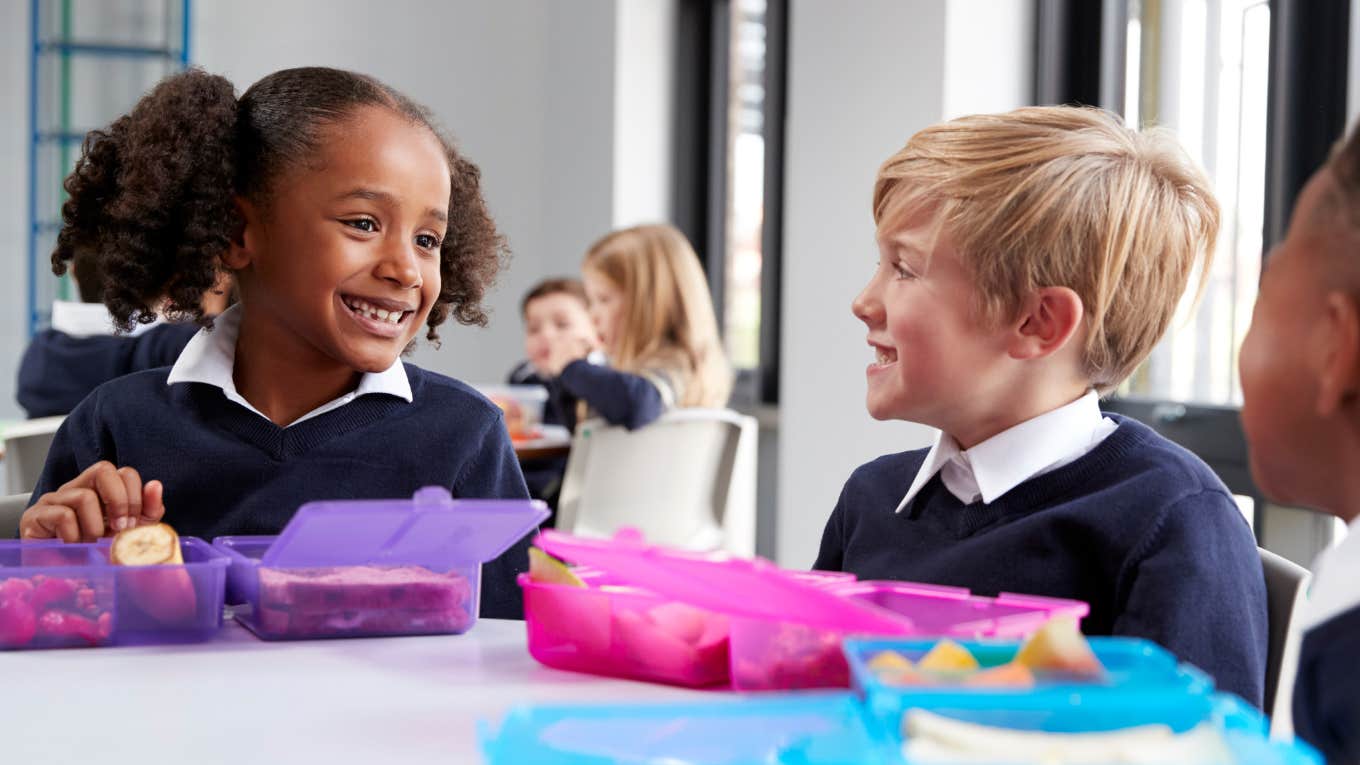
x: 557, y: 330
x: 1028, y: 262
x: 1300, y: 368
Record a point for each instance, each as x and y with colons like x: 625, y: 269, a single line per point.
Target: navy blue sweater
x: 620, y: 398
x: 227, y: 470
x: 1327, y: 688
x: 1138, y: 528
x: 58, y: 370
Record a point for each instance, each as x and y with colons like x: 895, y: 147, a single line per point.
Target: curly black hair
x: 151, y: 197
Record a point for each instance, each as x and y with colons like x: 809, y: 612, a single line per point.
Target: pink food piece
x: 65, y: 626
x: 356, y: 588
x: 53, y: 592
x: 679, y: 620
x: 16, y: 587
x: 166, y: 594
x: 18, y: 622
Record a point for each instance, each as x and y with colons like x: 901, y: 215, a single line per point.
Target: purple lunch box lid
x: 431, y: 529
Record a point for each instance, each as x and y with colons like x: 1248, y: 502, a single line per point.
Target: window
x: 1200, y: 68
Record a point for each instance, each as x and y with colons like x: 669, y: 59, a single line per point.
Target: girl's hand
x: 567, y: 351
x: 101, y: 501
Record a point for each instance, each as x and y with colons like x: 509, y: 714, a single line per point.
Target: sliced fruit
x: 1010, y: 675
x: 549, y: 570
x: 1059, y: 646
x: 948, y: 657
x: 146, y: 546
x: 889, y: 661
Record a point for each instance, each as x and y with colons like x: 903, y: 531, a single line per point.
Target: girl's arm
x: 621, y: 398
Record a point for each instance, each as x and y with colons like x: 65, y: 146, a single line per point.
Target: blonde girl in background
x: 649, y: 299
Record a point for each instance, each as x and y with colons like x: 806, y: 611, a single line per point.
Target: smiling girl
x: 350, y: 223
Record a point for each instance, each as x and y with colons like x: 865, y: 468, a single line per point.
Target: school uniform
x: 1326, y: 700
x: 80, y: 351
x: 621, y: 398
x: 1070, y: 504
x: 227, y: 469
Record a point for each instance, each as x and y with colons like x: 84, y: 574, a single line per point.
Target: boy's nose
x: 866, y: 306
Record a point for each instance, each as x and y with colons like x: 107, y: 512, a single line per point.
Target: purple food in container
x: 367, y: 568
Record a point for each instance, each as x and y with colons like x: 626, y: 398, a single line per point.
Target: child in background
x: 80, y: 350
x: 649, y: 301
x: 1027, y: 262
x: 1300, y: 366
x: 350, y: 223
x: 557, y: 329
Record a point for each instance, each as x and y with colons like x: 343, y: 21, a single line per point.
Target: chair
x: 1286, y: 583
x: 687, y: 480
x: 11, y: 508
x: 26, y: 445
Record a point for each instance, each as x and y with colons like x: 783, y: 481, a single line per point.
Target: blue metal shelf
x: 66, y: 49
x: 114, y: 50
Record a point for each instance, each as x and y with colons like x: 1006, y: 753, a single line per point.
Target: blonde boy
x: 1300, y: 369
x: 1029, y: 261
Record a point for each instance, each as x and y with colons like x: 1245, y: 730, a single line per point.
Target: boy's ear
x: 1338, y: 354
x: 1047, y: 321
x: 239, y: 252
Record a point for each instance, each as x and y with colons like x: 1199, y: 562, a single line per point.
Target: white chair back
x: 26, y: 445
x: 687, y: 480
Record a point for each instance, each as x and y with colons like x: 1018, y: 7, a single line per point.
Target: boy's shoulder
x: 1138, y: 453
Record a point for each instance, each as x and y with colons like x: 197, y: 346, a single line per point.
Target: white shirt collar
x: 1335, y: 572
x: 210, y: 357
x: 88, y: 320
x: 1011, y: 457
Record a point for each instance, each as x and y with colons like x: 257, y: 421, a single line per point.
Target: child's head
x: 557, y: 324
x: 347, y: 218
x: 650, y: 302
x: 1300, y: 362
x: 1045, y: 248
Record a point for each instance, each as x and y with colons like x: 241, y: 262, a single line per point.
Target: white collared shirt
x: 1009, y: 458
x: 210, y: 358
x: 1336, y: 571
x: 89, y: 320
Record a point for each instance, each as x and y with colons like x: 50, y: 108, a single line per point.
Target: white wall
x: 13, y: 200
x: 643, y: 116
x: 862, y: 79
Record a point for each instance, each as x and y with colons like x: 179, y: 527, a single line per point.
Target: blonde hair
x: 1063, y: 197
x: 668, y: 321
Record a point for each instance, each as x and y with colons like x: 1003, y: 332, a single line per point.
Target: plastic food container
x: 1143, y: 684
x: 523, y: 408
x: 786, y: 628
x: 611, y: 628
x: 812, y: 729
x: 374, y: 567
x: 57, y: 595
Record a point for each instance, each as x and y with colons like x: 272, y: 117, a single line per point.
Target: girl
x: 349, y: 223
x: 650, y: 302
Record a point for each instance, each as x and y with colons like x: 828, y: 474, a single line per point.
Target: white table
x: 244, y: 701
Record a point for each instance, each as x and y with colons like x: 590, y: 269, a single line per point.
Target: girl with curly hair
x: 349, y: 223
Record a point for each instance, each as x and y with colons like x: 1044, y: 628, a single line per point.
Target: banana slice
x: 146, y: 546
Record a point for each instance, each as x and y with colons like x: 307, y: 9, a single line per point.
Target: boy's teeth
x: 382, y: 314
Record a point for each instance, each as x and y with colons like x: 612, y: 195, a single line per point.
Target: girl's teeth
x: 381, y: 314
